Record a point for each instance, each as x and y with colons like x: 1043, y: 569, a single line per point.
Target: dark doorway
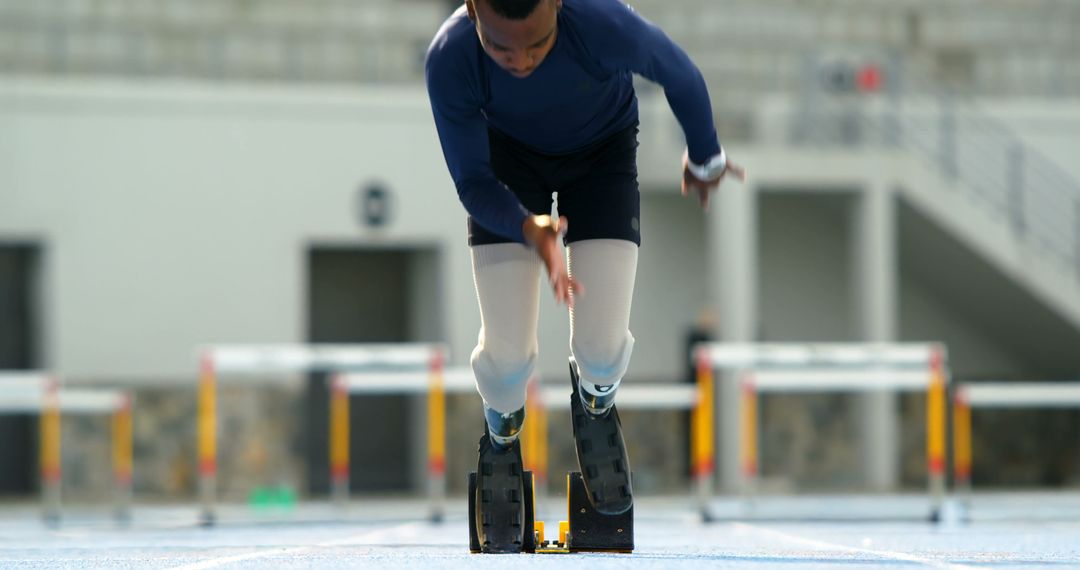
x: 358, y: 295
x: 18, y: 351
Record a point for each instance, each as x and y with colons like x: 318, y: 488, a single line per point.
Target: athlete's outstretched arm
x: 624, y: 41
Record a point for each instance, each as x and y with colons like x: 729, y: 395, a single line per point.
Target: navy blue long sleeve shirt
x: 581, y: 93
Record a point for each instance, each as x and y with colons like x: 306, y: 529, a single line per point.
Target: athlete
x: 531, y: 98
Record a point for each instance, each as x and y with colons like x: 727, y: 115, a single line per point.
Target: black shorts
x: 597, y: 187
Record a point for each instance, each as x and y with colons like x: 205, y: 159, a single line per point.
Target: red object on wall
x: 869, y: 78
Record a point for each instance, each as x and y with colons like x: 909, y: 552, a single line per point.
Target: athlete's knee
x: 501, y: 379
x: 602, y: 363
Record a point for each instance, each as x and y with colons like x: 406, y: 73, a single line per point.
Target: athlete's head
x: 517, y: 34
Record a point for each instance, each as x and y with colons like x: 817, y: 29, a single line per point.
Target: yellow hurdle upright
x: 437, y: 434
x: 962, y: 441
x: 935, y: 428
x: 50, y: 450
x: 541, y: 427
x: 122, y: 436
x: 702, y: 432
x: 534, y: 437
x: 207, y: 424
x: 339, y: 440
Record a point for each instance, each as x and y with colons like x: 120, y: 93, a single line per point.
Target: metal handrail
x: 1028, y: 191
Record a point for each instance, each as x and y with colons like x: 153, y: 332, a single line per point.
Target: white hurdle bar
x: 838, y: 368
x: 282, y: 359
x: 631, y: 396
x: 1021, y: 394
x: 999, y: 395
x: 40, y: 393
x: 71, y: 401
x: 240, y: 361
x: 760, y: 356
x: 460, y: 380
x: 455, y: 380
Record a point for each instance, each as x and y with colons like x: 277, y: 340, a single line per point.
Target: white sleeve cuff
x: 711, y: 169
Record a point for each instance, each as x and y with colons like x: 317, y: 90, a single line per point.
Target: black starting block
x: 590, y: 530
x: 586, y: 530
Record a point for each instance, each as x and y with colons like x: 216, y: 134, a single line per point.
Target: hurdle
x: 435, y: 383
x: 762, y: 368
x: 41, y: 393
x: 998, y: 395
x: 541, y: 400
x: 236, y: 361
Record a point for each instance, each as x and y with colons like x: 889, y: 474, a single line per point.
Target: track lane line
x: 362, y: 538
x: 823, y: 545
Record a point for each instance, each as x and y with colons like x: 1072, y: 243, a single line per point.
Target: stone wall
x: 808, y: 442
x: 256, y: 445
x: 811, y: 443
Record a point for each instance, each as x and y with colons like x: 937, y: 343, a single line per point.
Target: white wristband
x: 711, y: 170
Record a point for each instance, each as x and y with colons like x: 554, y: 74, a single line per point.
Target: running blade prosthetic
x: 601, y: 453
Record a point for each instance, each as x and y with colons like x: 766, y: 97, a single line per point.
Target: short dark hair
x: 513, y: 9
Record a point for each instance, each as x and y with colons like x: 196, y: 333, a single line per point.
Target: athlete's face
x: 518, y: 46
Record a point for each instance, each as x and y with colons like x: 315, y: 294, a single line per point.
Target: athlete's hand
x: 545, y: 234
x: 703, y: 188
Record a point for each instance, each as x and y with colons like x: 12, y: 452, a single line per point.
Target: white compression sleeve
x: 600, y: 320
x: 507, y: 278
